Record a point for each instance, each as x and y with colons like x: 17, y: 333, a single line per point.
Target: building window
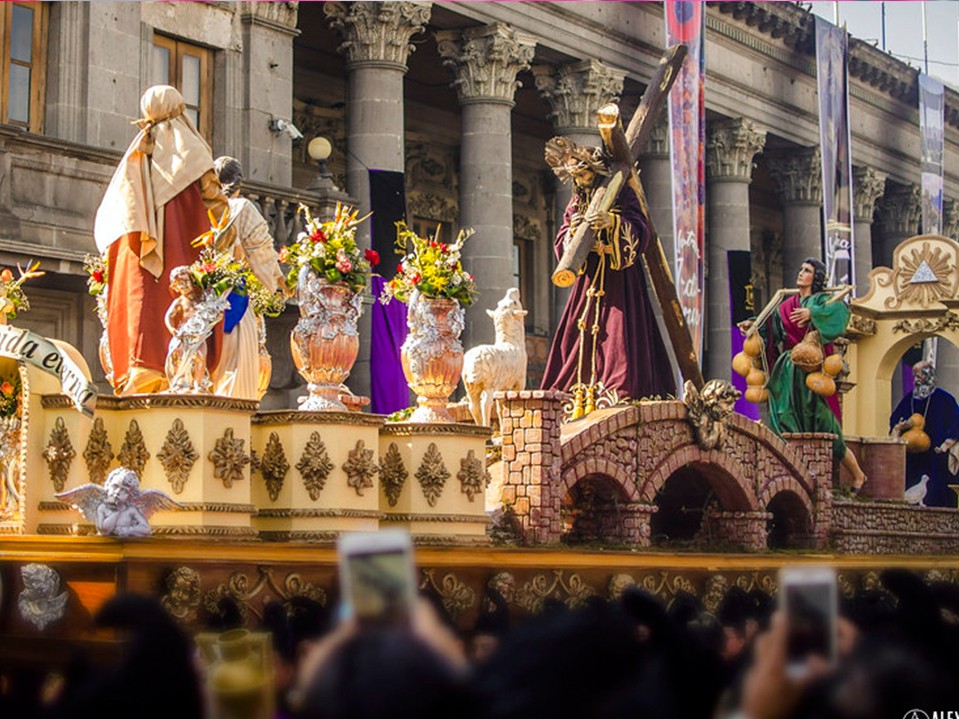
x: 23, y: 39
x: 188, y: 68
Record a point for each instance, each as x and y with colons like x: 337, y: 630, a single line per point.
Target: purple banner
x: 687, y: 127
x: 388, y: 389
x: 931, y: 120
x: 742, y: 306
x: 835, y: 145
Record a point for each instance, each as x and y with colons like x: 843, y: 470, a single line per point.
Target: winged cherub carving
x: 119, y: 508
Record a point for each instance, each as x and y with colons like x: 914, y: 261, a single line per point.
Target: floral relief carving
x: 274, y: 466
x: 177, y: 455
x: 360, y: 468
x: 315, y: 466
x: 666, y: 585
x: 432, y: 474
x: 473, y: 476
x: 98, y: 453
x: 573, y: 591
x: 59, y: 454
x: 455, y: 595
x: 133, y: 454
x: 229, y: 459
x: 251, y: 597
x: 393, y: 474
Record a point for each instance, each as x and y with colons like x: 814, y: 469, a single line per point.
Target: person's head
x: 230, y: 173
x: 120, y: 484
x: 161, y: 102
x: 576, y: 163
x: 924, y: 373
x: 812, y: 275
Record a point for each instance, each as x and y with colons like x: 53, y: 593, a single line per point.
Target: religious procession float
x: 179, y: 485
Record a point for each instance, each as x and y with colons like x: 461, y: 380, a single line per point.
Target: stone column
x: 898, y: 218
x: 376, y: 45
x: 730, y: 149
x: 575, y: 92
x: 868, y: 185
x: 68, y: 59
x: 950, y: 219
x: 799, y: 175
x: 485, y: 61
x: 656, y: 174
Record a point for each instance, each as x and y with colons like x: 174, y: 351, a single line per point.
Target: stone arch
x: 592, y: 467
x: 791, y: 524
x: 778, y: 485
x: 913, y: 300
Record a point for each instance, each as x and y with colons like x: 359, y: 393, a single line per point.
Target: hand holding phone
x: 377, y: 579
x: 809, y: 599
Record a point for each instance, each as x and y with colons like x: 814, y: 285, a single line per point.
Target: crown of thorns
x: 567, y: 159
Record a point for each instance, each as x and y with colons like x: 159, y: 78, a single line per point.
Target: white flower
x: 302, y: 236
x: 457, y: 280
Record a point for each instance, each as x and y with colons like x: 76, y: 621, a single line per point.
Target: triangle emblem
x: 923, y: 275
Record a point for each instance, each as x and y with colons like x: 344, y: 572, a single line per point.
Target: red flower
x: 373, y: 257
x: 415, y: 279
x: 7, y: 389
x: 399, y: 269
x: 97, y: 275
x: 6, y: 275
x: 318, y: 236
x: 444, y: 248
x: 433, y: 245
x: 208, y: 267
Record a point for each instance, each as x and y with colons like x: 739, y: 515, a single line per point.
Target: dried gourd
x: 821, y: 383
x: 807, y: 355
x: 753, y: 345
x: 756, y: 394
x: 832, y: 365
x: 756, y: 378
x: 742, y: 364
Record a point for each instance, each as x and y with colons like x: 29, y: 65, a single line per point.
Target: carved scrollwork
x: 573, y: 591
x: 274, y: 466
x: 473, y: 476
x: 455, y: 595
x: 59, y: 454
x: 360, y: 468
x: 229, y: 459
x: 245, y: 593
x: 177, y: 456
x: 432, y: 474
x: 98, y: 453
x: 948, y: 321
x: 666, y: 585
x: 315, y: 466
x: 393, y: 474
x: 133, y: 454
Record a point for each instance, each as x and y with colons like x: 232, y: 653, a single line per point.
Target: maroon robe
x: 631, y: 357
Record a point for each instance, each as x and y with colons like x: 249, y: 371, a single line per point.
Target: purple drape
x: 388, y: 389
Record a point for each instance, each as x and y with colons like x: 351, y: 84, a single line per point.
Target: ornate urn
x: 432, y: 355
x: 325, y: 341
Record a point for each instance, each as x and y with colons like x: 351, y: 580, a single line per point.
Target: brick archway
x: 638, y: 447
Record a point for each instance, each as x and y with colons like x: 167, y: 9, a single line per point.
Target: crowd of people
x: 632, y: 657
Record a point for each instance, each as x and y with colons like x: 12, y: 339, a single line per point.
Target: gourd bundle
x: 917, y: 440
x: 807, y: 355
x: 747, y: 364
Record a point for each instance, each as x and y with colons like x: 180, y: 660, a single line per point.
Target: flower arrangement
x: 330, y: 249
x: 431, y: 267
x: 13, y: 297
x: 222, y: 273
x: 96, y: 269
x: 10, y: 395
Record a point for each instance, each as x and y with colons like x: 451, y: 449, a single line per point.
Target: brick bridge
x: 626, y: 455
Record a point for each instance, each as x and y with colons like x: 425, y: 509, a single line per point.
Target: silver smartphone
x: 810, y: 601
x: 377, y: 579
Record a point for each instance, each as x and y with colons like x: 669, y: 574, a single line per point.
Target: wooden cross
x: 624, y: 147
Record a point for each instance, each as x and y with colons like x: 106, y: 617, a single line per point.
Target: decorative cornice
x: 575, y: 92
x: 486, y: 61
x: 280, y: 16
x: 730, y: 149
x: 799, y: 176
x: 226, y: 507
x: 378, y: 33
x: 156, y: 401
x: 413, y: 429
x: 440, y: 518
x: 900, y: 210
x: 868, y: 184
x: 285, y: 416
x: 313, y: 513
x: 793, y: 26
x: 187, y: 531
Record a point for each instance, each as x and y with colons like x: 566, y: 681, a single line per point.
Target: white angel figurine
x: 119, y: 508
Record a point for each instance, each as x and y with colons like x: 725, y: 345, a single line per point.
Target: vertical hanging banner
x: 931, y: 120
x: 835, y: 145
x: 742, y: 306
x: 685, y: 22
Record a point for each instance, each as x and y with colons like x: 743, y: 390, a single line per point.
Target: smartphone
x: 810, y: 601
x: 377, y: 579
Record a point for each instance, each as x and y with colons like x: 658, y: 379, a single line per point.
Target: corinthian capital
x: 377, y: 33
x: 868, y: 184
x: 486, y: 61
x: 730, y: 149
x: 900, y: 210
x: 576, y: 91
x: 658, y: 143
x: 799, y: 175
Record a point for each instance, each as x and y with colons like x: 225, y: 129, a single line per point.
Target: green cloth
x: 793, y: 407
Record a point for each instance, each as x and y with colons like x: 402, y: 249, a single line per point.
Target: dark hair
x: 819, y: 274
x: 230, y: 173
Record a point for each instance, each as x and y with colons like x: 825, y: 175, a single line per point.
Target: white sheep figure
x: 499, y: 366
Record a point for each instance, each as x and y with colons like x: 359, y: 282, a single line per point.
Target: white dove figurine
x: 917, y: 492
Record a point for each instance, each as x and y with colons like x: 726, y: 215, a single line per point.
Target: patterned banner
x: 931, y: 119
x: 835, y: 144
x: 687, y: 128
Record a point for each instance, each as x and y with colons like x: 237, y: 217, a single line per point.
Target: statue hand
x: 600, y: 220
x: 745, y: 326
x: 800, y: 316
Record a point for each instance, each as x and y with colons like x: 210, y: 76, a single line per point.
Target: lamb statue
x: 499, y: 366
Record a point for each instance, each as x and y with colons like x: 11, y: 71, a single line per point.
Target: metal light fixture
x: 319, y: 151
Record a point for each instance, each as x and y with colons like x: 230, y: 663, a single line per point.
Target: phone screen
x: 810, y: 612
x: 379, y: 588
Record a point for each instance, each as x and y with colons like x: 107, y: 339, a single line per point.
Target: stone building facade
x: 461, y: 97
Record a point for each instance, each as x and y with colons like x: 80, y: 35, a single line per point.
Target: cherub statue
x: 190, y: 318
x: 41, y: 602
x: 119, y: 508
